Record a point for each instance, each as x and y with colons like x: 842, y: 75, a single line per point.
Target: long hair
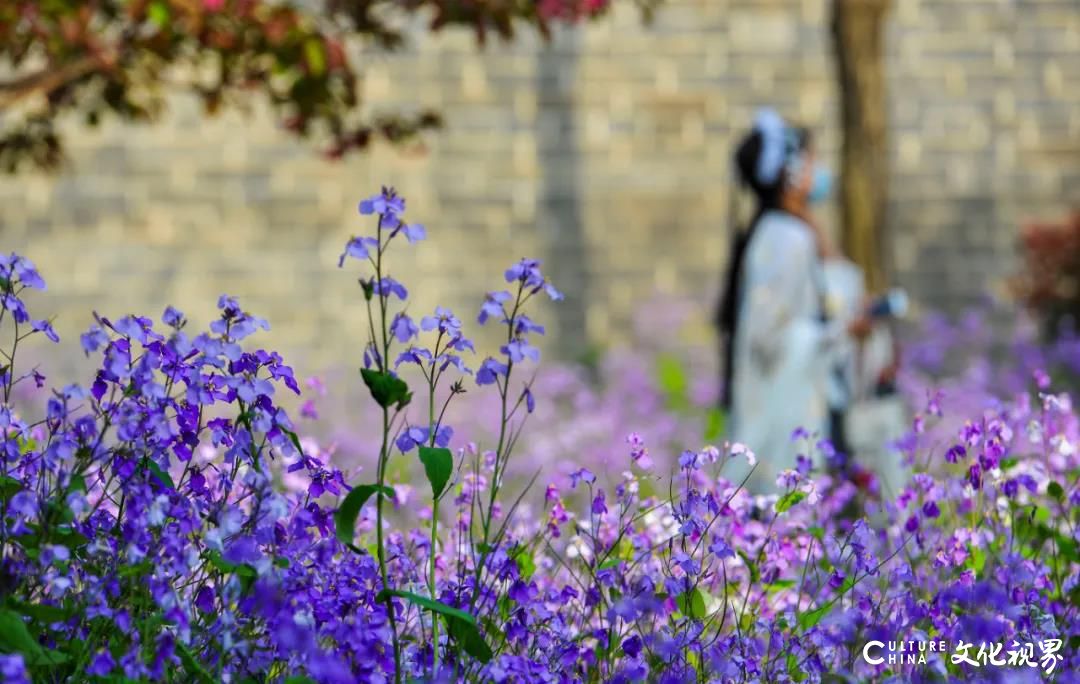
x: 767, y: 197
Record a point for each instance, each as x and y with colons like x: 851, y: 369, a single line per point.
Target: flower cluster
x: 167, y: 523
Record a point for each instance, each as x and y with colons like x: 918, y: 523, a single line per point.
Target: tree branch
x: 47, y: 80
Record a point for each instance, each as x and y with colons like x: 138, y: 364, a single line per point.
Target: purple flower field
x: 483, y: 518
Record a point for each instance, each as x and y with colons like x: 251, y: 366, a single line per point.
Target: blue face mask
x: 821, y: 186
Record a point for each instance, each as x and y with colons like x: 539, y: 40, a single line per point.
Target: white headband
x: 774, y: 143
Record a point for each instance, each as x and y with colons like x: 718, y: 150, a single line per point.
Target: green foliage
x: 692, y: 604
x: 16, y: 638
x: 347, y: 512
x: 461, y: 626
x: 438, y: 466
x: 673, y: 381
x: 715, y: 420
x: 119, y: 58
x: 387, y: 390
x: 789, y: 499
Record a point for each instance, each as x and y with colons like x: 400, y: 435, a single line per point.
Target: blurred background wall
x: 606, y: 153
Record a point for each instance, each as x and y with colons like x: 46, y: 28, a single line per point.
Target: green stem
x: 434, y: 529
x: 384, y: 453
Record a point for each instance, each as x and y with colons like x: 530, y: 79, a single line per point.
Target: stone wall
x: 606, y: 153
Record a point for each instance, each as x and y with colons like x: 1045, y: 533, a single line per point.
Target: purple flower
x: 358, y: 248
x: 411, y: 437
x: 420, y: 357
x: 13, y: 669
x: 836, y: 579
x: 1042, y: 380
x: 930, y: 509
x: 204, y: 599
x: 523, y: 325
x: 581, y: 475
x: 975, y: 476
x: 243, y: 550
x: 527, y: 272
x: 955, y: 453
x: 93, y: 339
x: 172, y: 317
x: 632, y: 646
x: 102, y: 664
x: 518, y: 350
x: 493, y: 306
x: 45, y: 327
x: 386, y: 202
x: 489, y: 371
x: 388, y: 286
x: 444, y: 320
x: 403, y: 328
x: 18, y: 268
x: 599, y: 503
x: 689, y: 459
x: 720, y: 549
x: 912, y: 524
x: 414, y: 232
x: 15, y: 306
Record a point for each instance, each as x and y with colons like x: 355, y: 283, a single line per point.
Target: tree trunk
x: 858, y: 40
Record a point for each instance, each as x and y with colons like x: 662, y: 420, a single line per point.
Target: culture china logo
x: 1045, y: 654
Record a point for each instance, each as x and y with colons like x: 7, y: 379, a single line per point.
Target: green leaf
x: 461, y: 626
x: 295, y: 439
x: 755, y: 574
x: 345, y: 515
x: 135, y: 570
x: 41, y: 612
x: 16, y: 638
x: 976, y: 559
x: 369, y: 289
x: 314, y: 56
x: 790, y: 499
x: 470, y: 638
x: 65, y: 536
x: 691, y: 604
x: 524, y: 559
x: 811, y: 617
x: 387, y: 390
x: 77, y: 484
x: 245, y: 572
x: 1007, y: 463
x: 193, y: 666
x: 426, y: 602
x: 158, y: 13
x: 299, y: 679
x: 714, y: 425
x: 673, y: 381
x: 1056, y: 492
x: 779, y: 585
x: 159, y: 474
x: 9, y: 487
x: 439, y: 466
x: 49, y: 658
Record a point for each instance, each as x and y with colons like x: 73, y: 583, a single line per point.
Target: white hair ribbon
x: 774, y: 141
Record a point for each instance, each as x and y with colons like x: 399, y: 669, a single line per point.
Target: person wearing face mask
x: 779, y: 341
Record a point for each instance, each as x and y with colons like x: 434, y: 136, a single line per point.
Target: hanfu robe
x: 783, y: 348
